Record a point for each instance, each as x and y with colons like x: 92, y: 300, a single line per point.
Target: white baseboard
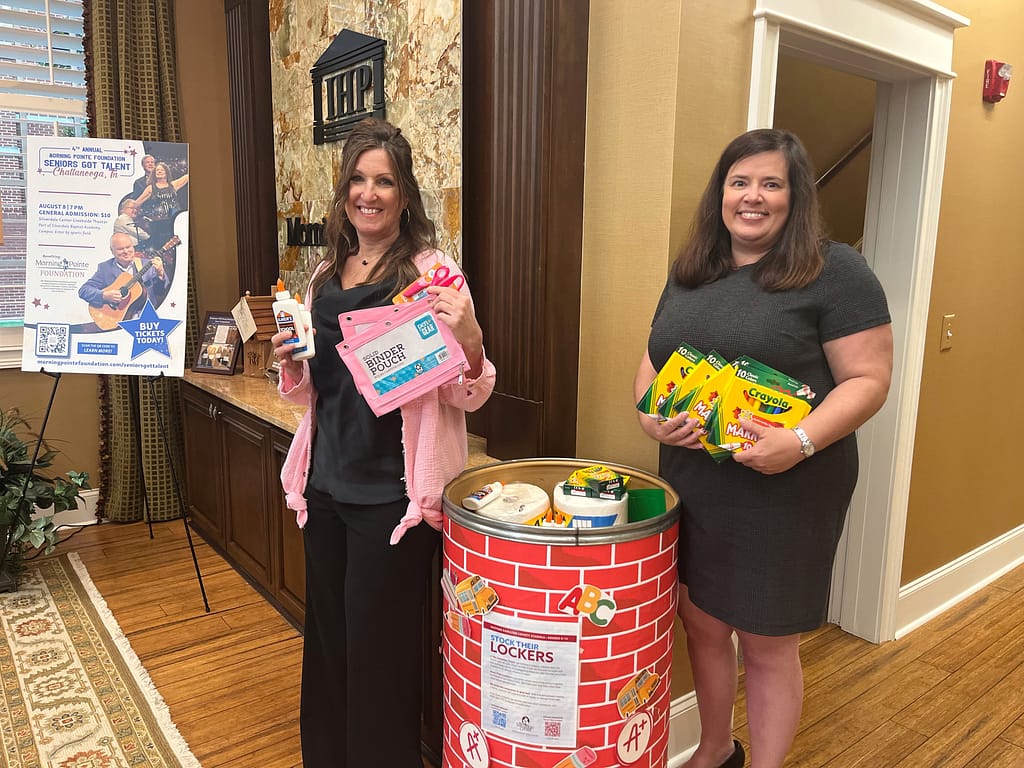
x: 85, y: 514
x: 683, y: 729
x: 935, y: 592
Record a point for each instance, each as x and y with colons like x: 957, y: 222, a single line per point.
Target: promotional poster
x: 529, y: 680
x: 107, y: 268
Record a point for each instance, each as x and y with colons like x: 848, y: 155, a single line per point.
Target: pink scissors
x: 445, y: 279
x: 441, y: 276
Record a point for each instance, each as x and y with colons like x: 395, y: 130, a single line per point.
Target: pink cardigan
x: 433, y: 433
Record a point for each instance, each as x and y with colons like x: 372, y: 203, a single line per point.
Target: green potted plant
x: 23, y: 489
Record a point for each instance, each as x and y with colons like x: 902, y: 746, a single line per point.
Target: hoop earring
x: 405, y: 218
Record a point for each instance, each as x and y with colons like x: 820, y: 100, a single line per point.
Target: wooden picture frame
x: 219, y: 345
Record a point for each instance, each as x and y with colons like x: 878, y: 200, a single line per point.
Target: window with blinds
x: 42, y: 92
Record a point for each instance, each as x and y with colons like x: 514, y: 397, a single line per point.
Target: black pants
x: 362, y: 652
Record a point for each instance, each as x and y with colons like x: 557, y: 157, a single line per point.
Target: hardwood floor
x: 231, y: 676
x: 949, y: 695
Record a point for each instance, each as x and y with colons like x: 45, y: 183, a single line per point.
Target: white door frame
x: 906, y: 47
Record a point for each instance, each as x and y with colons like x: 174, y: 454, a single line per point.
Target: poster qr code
x: 53, y: 340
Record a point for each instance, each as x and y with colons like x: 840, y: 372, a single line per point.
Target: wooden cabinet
x: 233, y: 463
x: 250, y: 489
x: 288, y: 557
x: 203, y: 457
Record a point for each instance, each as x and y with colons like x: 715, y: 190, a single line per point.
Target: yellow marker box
x: 668, y: 382
x: 703, y: 402
x: 757, y: 393
x: 683, y: 398
x: 597, y: 482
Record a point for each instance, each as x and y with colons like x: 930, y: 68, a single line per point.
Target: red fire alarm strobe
x: 997, y: 80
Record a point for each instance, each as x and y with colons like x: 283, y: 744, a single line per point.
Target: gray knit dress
x: 756, y: 551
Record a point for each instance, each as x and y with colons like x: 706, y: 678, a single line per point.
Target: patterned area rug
x: 74, y: 693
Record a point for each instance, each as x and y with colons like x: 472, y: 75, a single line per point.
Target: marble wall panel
x: 423, y: 86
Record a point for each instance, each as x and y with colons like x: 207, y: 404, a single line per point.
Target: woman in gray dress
x: 759, y: 533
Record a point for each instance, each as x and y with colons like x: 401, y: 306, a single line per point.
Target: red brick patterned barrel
x: 557, y: 643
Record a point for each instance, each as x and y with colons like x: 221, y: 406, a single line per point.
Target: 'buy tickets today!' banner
x: 106, y: 256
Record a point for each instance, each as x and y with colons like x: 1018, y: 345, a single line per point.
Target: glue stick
x: 288, y: 316
x: 482, y: 496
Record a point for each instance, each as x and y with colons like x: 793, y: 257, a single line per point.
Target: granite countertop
x: 258, y: 396
x: 254, y: 395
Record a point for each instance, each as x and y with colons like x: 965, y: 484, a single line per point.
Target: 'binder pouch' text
x: 398, y: 354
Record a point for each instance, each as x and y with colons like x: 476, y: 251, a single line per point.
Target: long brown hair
x: 416, y: 231
x: 796, y: 259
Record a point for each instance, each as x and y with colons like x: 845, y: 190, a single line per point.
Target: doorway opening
x: 904, y: 176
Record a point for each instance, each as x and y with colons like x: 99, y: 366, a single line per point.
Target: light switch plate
x: 946, y: 342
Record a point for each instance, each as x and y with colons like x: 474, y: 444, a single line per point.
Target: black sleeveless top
x: 357, y: 457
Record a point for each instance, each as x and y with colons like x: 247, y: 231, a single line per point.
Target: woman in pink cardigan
x: 367, y: 490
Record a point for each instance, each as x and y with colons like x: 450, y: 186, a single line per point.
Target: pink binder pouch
x: 399, y: 358
x: 359, y: 320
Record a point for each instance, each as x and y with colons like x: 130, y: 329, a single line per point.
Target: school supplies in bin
x: 596, y: 482
x: 400, y: 357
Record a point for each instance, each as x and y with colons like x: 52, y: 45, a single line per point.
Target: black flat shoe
x: 736, y: 758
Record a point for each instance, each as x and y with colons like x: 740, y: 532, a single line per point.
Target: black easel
x: 133, y: 406
x: 134, y: 399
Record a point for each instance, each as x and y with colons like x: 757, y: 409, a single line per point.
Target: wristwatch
x: 806, y: 446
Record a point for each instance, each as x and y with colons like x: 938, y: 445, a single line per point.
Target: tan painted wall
x: 206, y: 125
x: 966, y: 458
x: 654, y: 131
x: 73, y: 427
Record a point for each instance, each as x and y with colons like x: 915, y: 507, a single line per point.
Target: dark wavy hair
x: 416, y: 231
x: 796, y: 259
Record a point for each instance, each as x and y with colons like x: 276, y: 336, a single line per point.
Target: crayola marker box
x: 702, y: 404
x: 704, y: 370
x: 596, y: 482
x: 667, y: 383
x: 757, y: 393
x: 748, y: 367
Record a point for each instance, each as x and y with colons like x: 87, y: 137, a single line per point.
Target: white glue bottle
x: 288, y: 316
x: 307, y: 325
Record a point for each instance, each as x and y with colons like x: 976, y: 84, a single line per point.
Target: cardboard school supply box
x: 682, y: 400
x: 596, y: 482
x: 668, y: 382
x: 702, y: 402
x: 758, y: 393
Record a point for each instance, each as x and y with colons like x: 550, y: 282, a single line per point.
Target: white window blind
x: 42, y: 92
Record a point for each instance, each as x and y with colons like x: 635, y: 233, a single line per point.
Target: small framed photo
x: 219, y: 345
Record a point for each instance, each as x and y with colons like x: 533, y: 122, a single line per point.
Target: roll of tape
x: 517, y: 503
x: 591, y: 513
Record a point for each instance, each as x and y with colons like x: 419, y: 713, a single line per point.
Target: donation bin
x: 557, y: 642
